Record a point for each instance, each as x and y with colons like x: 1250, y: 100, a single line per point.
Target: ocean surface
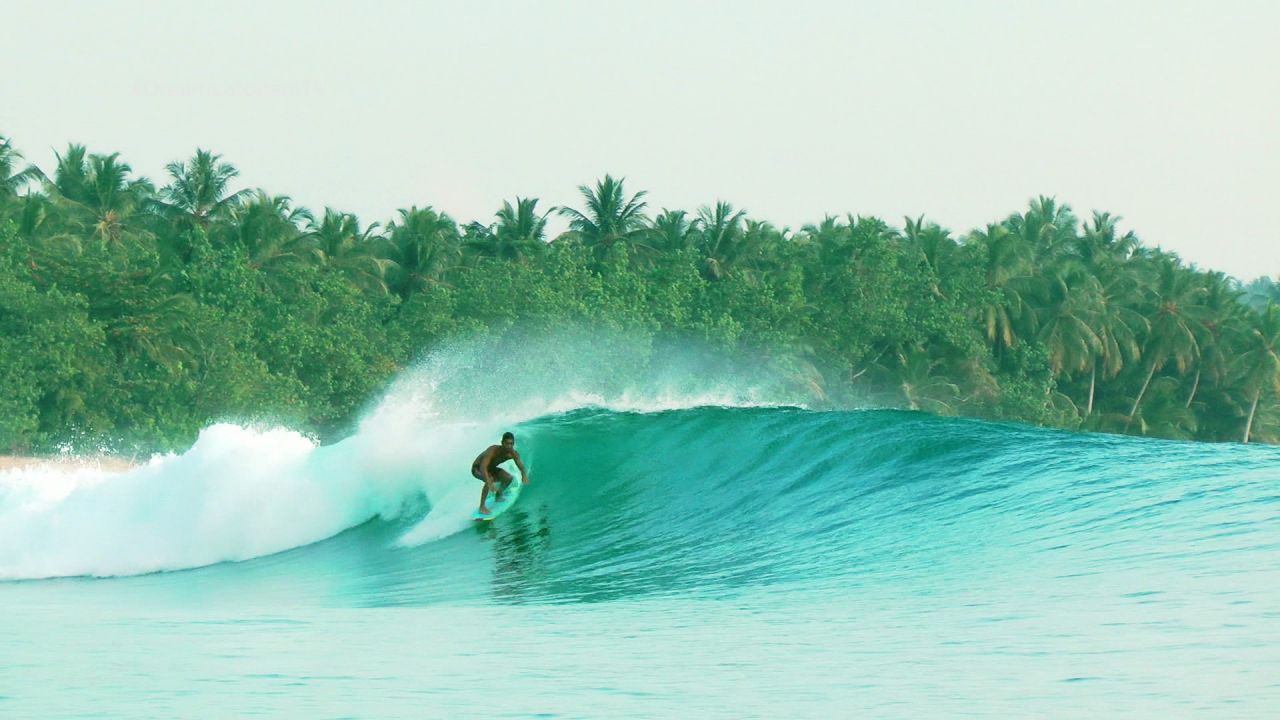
x: 673, y: 556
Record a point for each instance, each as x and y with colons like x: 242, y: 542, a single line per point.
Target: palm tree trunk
x: 1137, y: 402
x: 1194, y: 386
x: 1249, y: 425
x: 1093, y: 375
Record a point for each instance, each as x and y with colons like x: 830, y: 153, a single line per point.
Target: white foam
x: 238, y: 493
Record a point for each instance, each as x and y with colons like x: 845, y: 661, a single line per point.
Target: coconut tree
x: 933, y: 245
x: 522, y: 225
x: 1260, y: 291
x: 920, y: 379
x: 198, y: 189
x: 519, y: 233
x: 1260, y: 360
x: 161, y: 330
x: 98, y: 195
x: 71, y: 175
x: 11, y: 179
x: 760, y: 253
x: 1175, y: 318
x: 671, y: 231
x: 1223, y: 312
x: 1097, y: 255
x: 1163, y: 413
x: 1099, y: 247
x: 338, y: 242
x: 34, y: 218
x: 1118, y: 327
x: 1007, y: 261
x: 425, y: 246
x: 1047, y: 228
x: 831, y: 239
x: 720, y: 236
x: 610, y: 218
x: 1064, y: 324
x: 828, y: 246
x: 268, y: 228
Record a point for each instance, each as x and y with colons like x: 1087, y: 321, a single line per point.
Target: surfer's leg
x: 484, y: 493
x: 505, y: 478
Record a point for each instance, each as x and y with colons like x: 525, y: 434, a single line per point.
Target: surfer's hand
x: 524, y: 480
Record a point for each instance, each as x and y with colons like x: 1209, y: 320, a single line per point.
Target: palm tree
x: 934, y: 246
x: 829, y: 246
x: 1095, y: 257
x: 831, y: 239
x: 71, y: 176
x: 1163, y: 413
x: 198, y: 191
x: 269, y: 230
x: 1223, y: 311
x: 720, y: 236
x: 11, y: 180
x: 1066, y: 311
x: 99, y: 193
x: 920, y: 380
x: 760, y: 252
x: 671, y: 231
x: 338, y: 242
x: 519, y: 233
x: 34, y: 218
x: 611, y: 216
x: 1098, y: 247
x: 1260, y: 291
x: 1048, y: 229
x: 1175, y: 322
x: 161, y: 331
x: 425, y: 246
x: 1007, y: 260
x: 1117, y: 326
x: 1261, y: 359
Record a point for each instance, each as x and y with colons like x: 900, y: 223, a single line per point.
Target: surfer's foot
x: 484, y: 510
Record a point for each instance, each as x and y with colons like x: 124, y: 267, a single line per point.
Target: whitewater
x: 694, y: 541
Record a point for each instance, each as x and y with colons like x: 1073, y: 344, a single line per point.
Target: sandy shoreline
x: 11, y: 462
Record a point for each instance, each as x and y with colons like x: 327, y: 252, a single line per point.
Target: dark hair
x: 508, y: 436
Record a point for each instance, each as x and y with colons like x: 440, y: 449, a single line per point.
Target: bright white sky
x: 1166, y: 113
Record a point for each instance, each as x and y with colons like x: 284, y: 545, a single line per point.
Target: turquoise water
x: 671, y: 560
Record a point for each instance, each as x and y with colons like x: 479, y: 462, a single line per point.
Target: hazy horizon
x: 1156, y: 112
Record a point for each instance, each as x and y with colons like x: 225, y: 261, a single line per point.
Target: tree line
x: 134, y: 314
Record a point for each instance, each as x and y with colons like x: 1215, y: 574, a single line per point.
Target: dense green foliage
x: 133, y: 314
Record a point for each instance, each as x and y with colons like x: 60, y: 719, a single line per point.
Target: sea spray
x: 491, y: 383
x: 518, y: 376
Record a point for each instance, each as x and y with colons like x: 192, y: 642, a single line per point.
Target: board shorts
x: 496, y: 473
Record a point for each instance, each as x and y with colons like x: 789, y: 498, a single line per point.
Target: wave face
x: 718, y: 501
x: 700, y: 501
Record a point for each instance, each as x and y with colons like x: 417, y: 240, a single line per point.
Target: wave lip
x: 237, y: 494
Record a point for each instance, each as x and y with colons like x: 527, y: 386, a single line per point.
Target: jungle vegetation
x: 136, y: 312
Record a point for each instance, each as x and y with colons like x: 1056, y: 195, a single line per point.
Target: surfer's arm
x: 524, y: 474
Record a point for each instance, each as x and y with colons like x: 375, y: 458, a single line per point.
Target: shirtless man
x: 485, y: 467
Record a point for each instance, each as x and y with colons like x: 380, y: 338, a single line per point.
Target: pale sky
x: 1165, y: 113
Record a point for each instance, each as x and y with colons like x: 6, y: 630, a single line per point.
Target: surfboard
x: 497, y: 508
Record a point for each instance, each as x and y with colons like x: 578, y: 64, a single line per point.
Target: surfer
x: 485, y: 468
